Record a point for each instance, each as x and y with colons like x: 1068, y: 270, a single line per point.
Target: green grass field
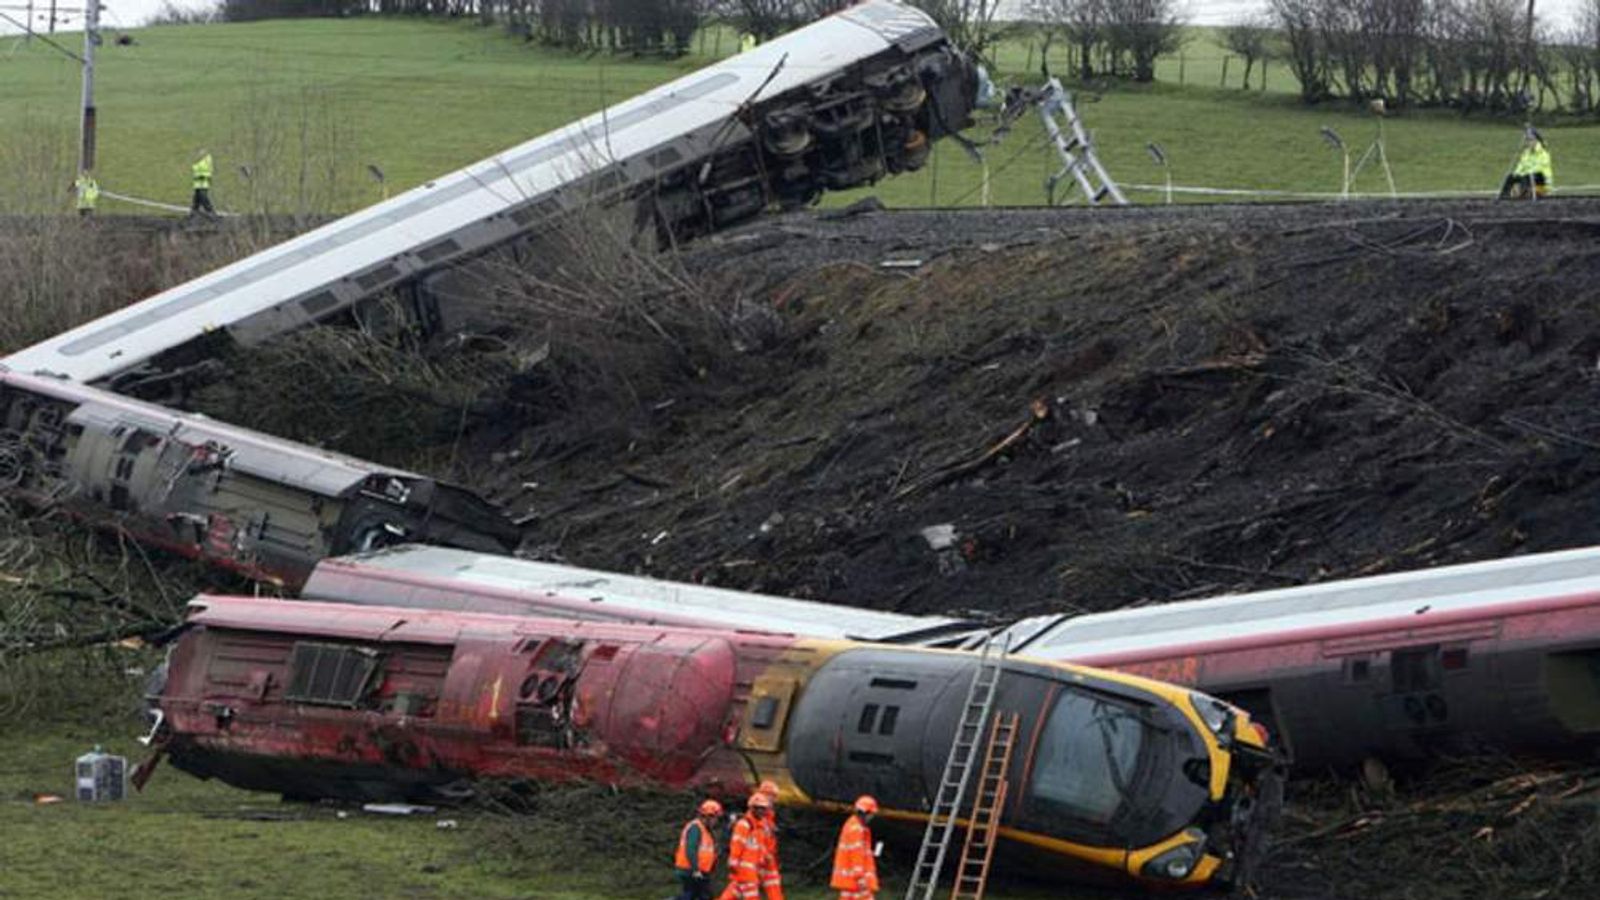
x: 308, y: 104
x: 184, y: 837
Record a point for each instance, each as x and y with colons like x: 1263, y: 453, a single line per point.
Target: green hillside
x: 307, y: 105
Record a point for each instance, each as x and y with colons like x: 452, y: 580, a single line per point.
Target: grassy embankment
x: 419, y: 99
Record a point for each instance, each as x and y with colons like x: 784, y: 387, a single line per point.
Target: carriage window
x: 1357, y: 670
x: 869, y: 717
x: 330, y: 674
x: 765, y: 713
x: 1416, y: 669
x: 891, y: 714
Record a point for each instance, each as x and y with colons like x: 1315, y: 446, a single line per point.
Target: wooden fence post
x: 1224, y: 82
x: 1181, y: 60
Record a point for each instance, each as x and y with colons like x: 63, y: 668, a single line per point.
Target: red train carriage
x: 1117, y: 773
x: 1502, y: 654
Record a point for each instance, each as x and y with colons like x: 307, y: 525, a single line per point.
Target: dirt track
x: 1197, y: 401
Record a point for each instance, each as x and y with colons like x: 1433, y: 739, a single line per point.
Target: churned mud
x: 1109, y: 408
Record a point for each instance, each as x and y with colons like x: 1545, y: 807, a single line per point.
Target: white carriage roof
x: 622, y: 596
x: 1420, y: 595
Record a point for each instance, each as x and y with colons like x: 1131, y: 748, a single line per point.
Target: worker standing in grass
x: 88, y: 193
x: 1533, y: 176
x: 855, y: 868
x: 697, y: 853
x: 771, y: 878
x: 201, y: 172
x: 745, y: 851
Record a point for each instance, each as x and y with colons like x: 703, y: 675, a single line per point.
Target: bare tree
x: 1248, y: 37
x: 1080, y: 23
x: 767, y: 18
x: 969, y: 23
x: 1583, y: 55
x: 1143, y: 31
x: 1299, y: 20
x: 1389, y: 35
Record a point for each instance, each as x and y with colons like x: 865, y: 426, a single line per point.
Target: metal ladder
x: 957, y: 771
x: 983, y: 826
x: 1075, y: 149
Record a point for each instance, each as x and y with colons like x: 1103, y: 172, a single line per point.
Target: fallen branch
x: 1039, y: 412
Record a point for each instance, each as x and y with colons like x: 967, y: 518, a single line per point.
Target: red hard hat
x: 768, y: 787
x: 710, y: 808
x: 759, y: 800
x: 865, y: 804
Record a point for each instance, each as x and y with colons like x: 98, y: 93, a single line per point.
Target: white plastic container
x: 101, y: 777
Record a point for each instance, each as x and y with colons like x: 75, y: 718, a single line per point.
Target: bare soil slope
x: 1109, y: 408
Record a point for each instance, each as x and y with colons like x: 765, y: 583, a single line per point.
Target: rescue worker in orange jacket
x: 745, y: 850
x: 771, y: 879
x: 855, y: 869
x: 697, y: 853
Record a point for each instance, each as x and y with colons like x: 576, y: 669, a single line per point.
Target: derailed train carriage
x: 1496, y: 656
x: 840, y: 103
x: 1114, y: 774
x: 241, y: 500
x: 843, y: 102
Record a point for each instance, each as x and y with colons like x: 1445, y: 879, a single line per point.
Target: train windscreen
x: 1088, y: 759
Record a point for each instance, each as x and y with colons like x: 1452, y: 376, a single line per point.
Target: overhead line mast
x: 91, y: 39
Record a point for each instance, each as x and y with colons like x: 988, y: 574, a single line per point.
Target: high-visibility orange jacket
x: 854, y: 867
x: 744, y: 852
x: 697, y: 849
x: 771, y: 880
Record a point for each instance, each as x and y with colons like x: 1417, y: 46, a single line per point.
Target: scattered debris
x: 940, y: 537
x: 100, y: 777
x: 397, y: 809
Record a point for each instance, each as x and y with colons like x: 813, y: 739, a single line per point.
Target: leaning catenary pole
x: 91, y: 38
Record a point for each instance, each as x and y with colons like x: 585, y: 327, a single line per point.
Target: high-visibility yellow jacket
x: 88, y: 191
x: 202, y: 173
x: 854, y: 867
x: 1535, y: 160
x: 697, y: 849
